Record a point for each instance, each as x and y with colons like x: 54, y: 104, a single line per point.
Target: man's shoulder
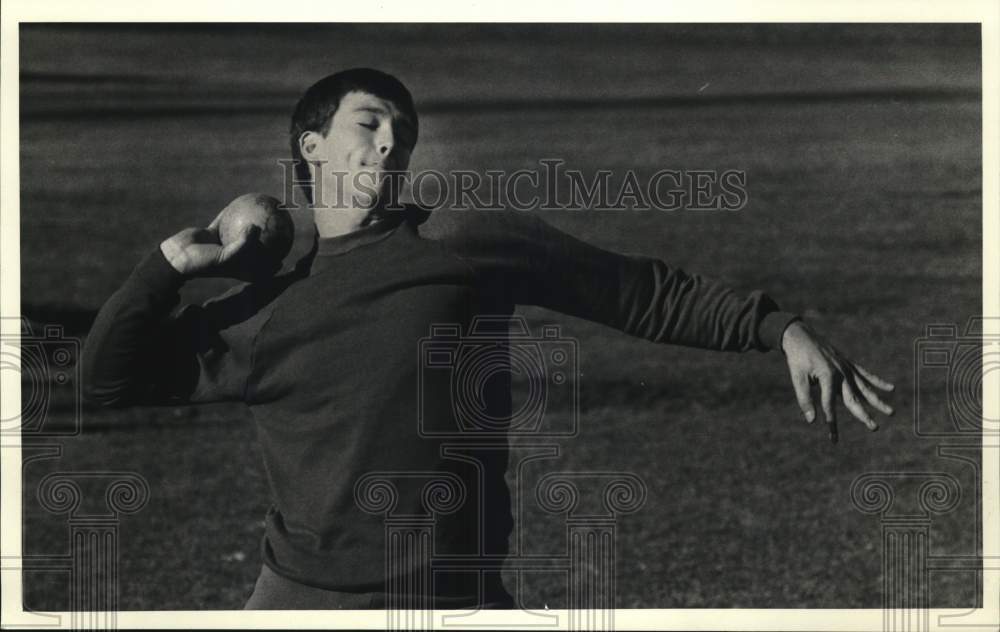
x: 447, y: 225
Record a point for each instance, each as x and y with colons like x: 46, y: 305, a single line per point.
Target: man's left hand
x: 812, y: 361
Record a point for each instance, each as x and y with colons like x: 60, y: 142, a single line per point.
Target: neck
x: 336, y: 222
x: 339, y: 218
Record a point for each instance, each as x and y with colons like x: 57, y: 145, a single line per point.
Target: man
x: 325, y: 354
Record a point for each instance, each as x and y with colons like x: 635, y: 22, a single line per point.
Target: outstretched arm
x: 532, y: 262
x: 526, y: 260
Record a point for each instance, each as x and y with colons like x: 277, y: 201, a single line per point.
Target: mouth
x: 379, y: 165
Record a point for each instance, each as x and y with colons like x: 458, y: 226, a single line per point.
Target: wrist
x: 794, y: 328
x: 771, y: 329
x: 158, y: 274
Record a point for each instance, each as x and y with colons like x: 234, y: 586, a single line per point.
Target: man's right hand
x: 198, y: 252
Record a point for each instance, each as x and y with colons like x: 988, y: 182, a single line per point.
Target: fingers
x: 871, y: 396
x: 230, y: 250
x: 800, y: 382
x: 874, y: 379
x: 855, y: 407
x: 826, y: 386
x: 814, y: 362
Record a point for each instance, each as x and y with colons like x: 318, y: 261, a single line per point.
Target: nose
x: 385, y: 141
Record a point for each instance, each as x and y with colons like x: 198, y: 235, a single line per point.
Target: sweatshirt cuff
x: 158, y: 275
x: 772, y: 328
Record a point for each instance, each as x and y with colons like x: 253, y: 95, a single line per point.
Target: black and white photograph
x: 561, y: 324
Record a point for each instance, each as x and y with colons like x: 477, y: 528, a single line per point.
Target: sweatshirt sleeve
x: 138, y: 353
x: 534, y: 263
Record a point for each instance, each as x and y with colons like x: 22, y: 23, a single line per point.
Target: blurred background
x: 862, y: 149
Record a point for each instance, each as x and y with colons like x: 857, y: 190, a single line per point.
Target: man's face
x: 368, y: 135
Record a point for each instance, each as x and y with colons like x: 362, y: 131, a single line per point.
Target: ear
x: 309, y: 145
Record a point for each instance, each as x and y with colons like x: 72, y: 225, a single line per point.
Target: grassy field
x: 863, y: 214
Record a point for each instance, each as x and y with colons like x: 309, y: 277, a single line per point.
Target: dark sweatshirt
x: 328, y: 358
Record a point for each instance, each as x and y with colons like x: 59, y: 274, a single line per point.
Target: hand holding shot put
x: 247, y: 240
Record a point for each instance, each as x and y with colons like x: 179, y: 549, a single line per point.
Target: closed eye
x: 371, y: 126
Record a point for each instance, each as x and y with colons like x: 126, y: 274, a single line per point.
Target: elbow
x: 97, y: 389
x: 103, y: 396
x: 100, y: 384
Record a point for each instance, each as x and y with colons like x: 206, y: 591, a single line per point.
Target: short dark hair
x: 317, y: 106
